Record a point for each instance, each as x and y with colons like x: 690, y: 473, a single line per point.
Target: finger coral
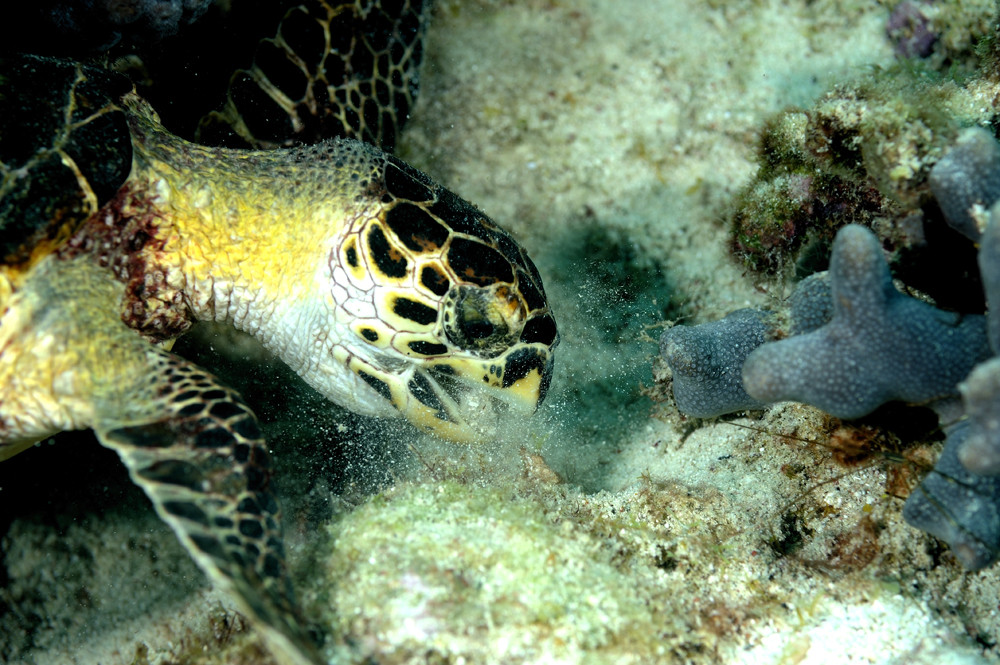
x: 981, y: 395
x: 981, y: 390
x: 706, y: 361
x: 880, y: 345
x: 968, y: 175
x: 957, y: 506
x: 855, y: 342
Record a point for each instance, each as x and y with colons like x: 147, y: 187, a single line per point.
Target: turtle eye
x: 479, y: 319
x: 475, y: 328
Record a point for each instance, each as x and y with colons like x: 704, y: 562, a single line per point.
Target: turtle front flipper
x: 204, y: 464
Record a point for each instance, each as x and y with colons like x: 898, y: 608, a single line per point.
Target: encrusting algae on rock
x: 420, y: 560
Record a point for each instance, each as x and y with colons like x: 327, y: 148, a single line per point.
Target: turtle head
x: 449, y: 318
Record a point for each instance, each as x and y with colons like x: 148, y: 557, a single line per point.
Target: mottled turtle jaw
x: 465, y: 399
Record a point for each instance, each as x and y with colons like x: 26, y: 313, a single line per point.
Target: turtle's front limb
x: 201, y: 459
x: 67, y: 361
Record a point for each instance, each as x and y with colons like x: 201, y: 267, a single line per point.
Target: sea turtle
x: 386, y: 292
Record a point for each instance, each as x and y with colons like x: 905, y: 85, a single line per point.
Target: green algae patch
x: 860, y: 154
x: 448, y: 572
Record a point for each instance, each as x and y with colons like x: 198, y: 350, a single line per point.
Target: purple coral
x: 910, y: 29
x: 966, y: 177
x: 706, y: 361
x: 879, y: 346
x: 959, y: 507
x: 981, y: 390
x: 856, y: 342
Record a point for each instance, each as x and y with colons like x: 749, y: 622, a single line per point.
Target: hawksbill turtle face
x: 450, y: 318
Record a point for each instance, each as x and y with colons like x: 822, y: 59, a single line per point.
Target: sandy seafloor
x: 609, y: 136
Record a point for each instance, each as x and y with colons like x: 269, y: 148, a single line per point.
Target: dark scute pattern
x: 211, y: 485
x: 461, y: 216
x: 543, y: 388
x: 272, y: 567
x: 265, y: 119
x: 251, y: 528
x: 387, y: 125
x: 270, y: 506
x: 210, y: 546
x: 521, y: 363
x: 510, y: 249
x: 215, y: 437
x: 387, y: 259
x: 541, y: 329
x: 102, y: 150
x: 341, y: 35
x: 192, y: 409
x: 246, y: 427
x: 152, y: 435
x: 370, y: 113
x: 241, y: 453
x: 257, y: 479
x: 533, y: 297
x: 174, y: 472
x: 280, y: 70
x: 421, y: 388
x: 414, y: 311
x: 225, y: 410
x: 223, y: 522
x: 186, y: 510
x: 435, y: 281
x: 405, y: 182
x: 415, y: 228
x: 362, y: 65
x: 441, y: 371
x: 428, y: 348
x: 249, y: 506
x: 383, y: 95
x: 475, y: 262
x: 184, y: 395
x: 380, y: 386
x: 29, y: 211
x: 409, y: 25
x: 34, y: 96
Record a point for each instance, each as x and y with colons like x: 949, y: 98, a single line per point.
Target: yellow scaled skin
x: 67, y: 361
x: 50, y: 383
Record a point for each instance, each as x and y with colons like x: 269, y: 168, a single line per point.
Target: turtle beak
x: 463, y: 399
